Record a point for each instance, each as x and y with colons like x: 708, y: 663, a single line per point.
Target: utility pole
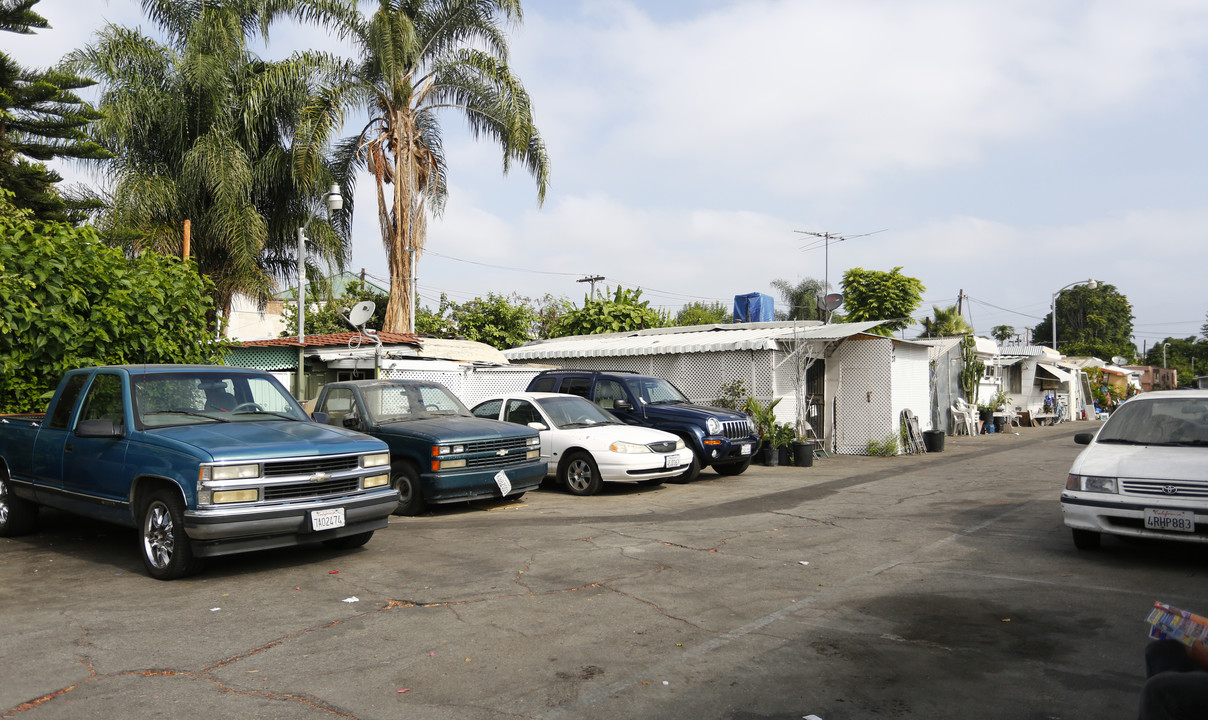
x: 593, y: 279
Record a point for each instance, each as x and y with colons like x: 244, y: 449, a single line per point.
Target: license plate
x: 326, y: 519
x: 505, y: 485
x: 1163, y: 519
x: 672, y: 460
x: 744, y: 450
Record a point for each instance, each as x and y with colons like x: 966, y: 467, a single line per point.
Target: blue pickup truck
x: 440, y: 452
x: 202, y: 460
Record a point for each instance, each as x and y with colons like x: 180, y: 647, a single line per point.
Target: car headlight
x: 713, y: 425
x: 375, y: 460
x: 375, y: 481
x: 233, y: 472
x: 679, y: 444
x: 620, y: 446
x: 233, y: 496
x: 1091, y: 483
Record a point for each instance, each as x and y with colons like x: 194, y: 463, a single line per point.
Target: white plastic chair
x: 962, y: 419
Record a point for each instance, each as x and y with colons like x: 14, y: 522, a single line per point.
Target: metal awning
x: 1054, y: 372
x: 1001, y: 361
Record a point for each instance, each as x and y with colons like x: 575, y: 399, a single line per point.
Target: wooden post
x: 188, y: 229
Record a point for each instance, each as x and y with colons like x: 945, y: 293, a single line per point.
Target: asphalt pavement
x: 923, y: 586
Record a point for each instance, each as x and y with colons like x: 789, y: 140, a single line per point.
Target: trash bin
x: 933, y: 440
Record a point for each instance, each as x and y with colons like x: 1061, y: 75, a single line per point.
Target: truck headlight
x: 234, y: 496
x: 713, y: 425
x: 620, y: 446
x: 375, y: 481
x: 534, y: 441
x: 234, y: 472
x: 375, y: 460
x: 1091, y: 483
x: 438, y: 450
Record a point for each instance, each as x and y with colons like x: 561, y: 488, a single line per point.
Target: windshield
x: 573, y: 411
x: 197, y: 397
x: 654, y: 390
x: 1165, y: 421
x: 396, y: 402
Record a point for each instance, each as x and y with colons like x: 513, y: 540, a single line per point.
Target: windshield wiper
x: 666, y: 402
x: 283, y: 416
x: 186, y: 412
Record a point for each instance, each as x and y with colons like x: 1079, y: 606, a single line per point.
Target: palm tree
x: 801, y: 299
x: 947, y: 322
x: 417, y: 58
x: 199, y: 128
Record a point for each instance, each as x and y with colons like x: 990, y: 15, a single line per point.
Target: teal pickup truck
x: 440, y: 453
x: 203, y: 460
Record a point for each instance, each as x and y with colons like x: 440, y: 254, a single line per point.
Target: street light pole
x: 1164, y: 346
x: 335, y: 202
x: 1089, y: 283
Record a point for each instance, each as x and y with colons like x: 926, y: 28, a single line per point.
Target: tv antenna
x: 826, y: 238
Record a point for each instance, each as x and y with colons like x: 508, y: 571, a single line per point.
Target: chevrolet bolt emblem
x: 501, y: 452
x: 320, y: 477
x: 1170, y: 490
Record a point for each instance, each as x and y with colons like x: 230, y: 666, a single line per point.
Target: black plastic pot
x: 933, y: 440
x: 783, y: 456
x: 803, y: 454
x: 768, y: 455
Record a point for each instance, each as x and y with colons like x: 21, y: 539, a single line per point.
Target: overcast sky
x: 1002, y: 149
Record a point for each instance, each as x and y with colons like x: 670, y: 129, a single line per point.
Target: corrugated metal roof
x: 701, y: 338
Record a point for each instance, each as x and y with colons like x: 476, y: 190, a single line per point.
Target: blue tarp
x: 753, y: 307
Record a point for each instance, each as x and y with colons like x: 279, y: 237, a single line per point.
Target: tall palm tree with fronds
x: 200, y: 129
x: 947, y: 322
x: 416, y: 59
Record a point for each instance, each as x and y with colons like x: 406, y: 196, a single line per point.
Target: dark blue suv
x: 721, y: 438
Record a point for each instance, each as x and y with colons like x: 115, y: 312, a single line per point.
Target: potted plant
x: 764, y: 417
x: 985, y: 416
x: 783, y: 435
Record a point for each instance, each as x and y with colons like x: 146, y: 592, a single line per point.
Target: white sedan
x: 585, y: 446
x: 1145, y: 474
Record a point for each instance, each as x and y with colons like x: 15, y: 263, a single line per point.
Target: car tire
x: 349, y: 542
x: 692, y: 472
x: 166, y: 549
x: 17, y: 515
x: 733, y: 468
x: 411, y: 501
x: 579, y: 474
x: 1086, y: 539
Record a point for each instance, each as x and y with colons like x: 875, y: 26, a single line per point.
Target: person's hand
x: 1198, y: 652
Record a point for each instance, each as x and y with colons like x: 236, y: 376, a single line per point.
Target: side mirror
x: 352, y: 422
x: 538, y: 426
x: 321, y: 417
x: 622, y: 405
x: 1084, y: 438
x: 99, y: 429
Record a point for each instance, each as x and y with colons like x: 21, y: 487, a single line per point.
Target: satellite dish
x: 361, y: 312
x: 833, y: 301
x: 1117, y: 360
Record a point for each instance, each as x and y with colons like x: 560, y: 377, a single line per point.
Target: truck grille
x: 487, y: 453
x: 312, y: 491
x: 310, y: 466
x: 736, y: 429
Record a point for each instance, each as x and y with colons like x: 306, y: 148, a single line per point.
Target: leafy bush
x: 885, y: 447
x: 734, y: 396
x: 69, y: 301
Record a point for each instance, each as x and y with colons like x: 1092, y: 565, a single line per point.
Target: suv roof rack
x: 588, y: 372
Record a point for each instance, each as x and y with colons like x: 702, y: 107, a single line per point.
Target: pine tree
x: 41, y: 118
